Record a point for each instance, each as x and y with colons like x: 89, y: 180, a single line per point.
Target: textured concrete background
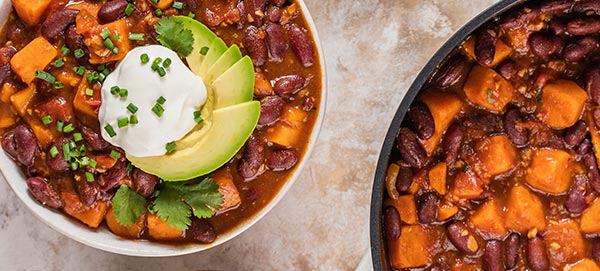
x: 373, y: 50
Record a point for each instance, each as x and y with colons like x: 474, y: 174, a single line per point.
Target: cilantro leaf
x: 177, y: 201
x: 173, y: 35
x: 128, y: 205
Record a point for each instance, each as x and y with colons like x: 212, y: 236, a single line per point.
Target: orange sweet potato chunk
x: 497, y: 154
x: 443, y: 107
x: 36, y: 55
x: 488, y: 89
x: 227, y: 188
x: 90, y: 215
x: 88, y: 26
x: 524, y: 210
x: 390, y: 180
x: 412, y: 249
x: 564, y: 242
x: 502, y: 50
x: 467, y: 185
x: 584, y: 265
x: 550, y: 171
x: 437, y: 178
x: 132, y: 231
x: 590, y: 218
x: 562, y: 104
x: 446, y: 211
x: 406, y: 207
x: 286, y: 132
x: 488, y: 220
x: 160, y: 229
x: 31, y: 11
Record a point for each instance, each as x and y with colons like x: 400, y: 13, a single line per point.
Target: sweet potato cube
x: 562, y: 104
x: 90, y: 7
x: 226, y: 187
x: 84, y: 103
x: 88, y: 26
x: 524, y: 210
x: 160, y: 230
x: 90, y: 215
x: 419, y: 182
x: 406, y: 208
x: 31, y: 11
x: 288, y: 129
x: 7, y: 91
x: 467, y: 185
x: 437, y: 178
x: 488, y: 220
x: 444, y: 107
x: 488, y: 89
x: 36, y: 55
x: 7, y: 116
x: 21, y: 99
x: 584, y: 265
x: 502, y: 50
x: 412, y: 249
x: 497, y: 154
x: 162, y: 4
x: 391, y: 175
x: 564, y: 242
x: 590, y: 218
x: 132, y: 231
x: 550, y: 171
x: 446, y: 211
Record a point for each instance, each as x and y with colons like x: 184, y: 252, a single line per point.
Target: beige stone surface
x: 373, y: 49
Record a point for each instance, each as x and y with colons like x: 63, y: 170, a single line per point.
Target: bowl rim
x: 105, y: 240
x: 378, y: 253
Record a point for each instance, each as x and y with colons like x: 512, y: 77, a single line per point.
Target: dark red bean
x: 56, y: 22
x: 512, y: 126
x: 544, y: 45
x: 273, y: 14
x: 271, y: 108
x: 94, y: 140
x: 451, y: 72
x: 289, y: 84
x: 225, y: 12
x: 26, y: 145
x: 73, y: 39
x: 191, y: 5
x: 558, y: 27
x: 112, y: 10
x: 492, y: 256
x: 462, y: 238
x: 536, y: 255
x: 8, y: 144
x: 585, y: 147
x: 507, y: 69
x: 575, y: 134
x: 279, y: 160
x: 421, y: 118
x: 578, y: 50
x: 596, y: 249
x: 253, y: 9
x: 519, y: 18
x: 410, y: 149
x: 404, y: 179
x: 576, y: 197
x: 43, y: 192
x: 391, y: 223
x: 584, y: 6
x: 16, y: 30
x: 87, y: 191
x: 254, y: 42
x: 143, y: 183
x: 301, y: 45
x: 592, y: 84
x: 252, y: 163
x: 427, y: 207
x: 278, y: 3
x: 589, y: 160
x: 6, y: 54
x: 556, y: 6
x: 113, y: 176
x: 451, y: 143
x: 58, y: 162
x: 276, y: 42
x: 596, y: 117
x: 485, y: 46
x: 201, y: 231
x: 4, y: 72
x: 511, y: 250
x: 583, y: 26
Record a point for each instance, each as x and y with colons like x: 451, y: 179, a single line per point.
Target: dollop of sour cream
x: 183, y: 93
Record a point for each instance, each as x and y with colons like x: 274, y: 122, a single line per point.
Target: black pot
x: 378, y: 249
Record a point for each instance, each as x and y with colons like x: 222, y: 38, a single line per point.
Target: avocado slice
x: 231, y: 127
x: 216, y: 49
x: 227, y: 59
x: 236, y: 85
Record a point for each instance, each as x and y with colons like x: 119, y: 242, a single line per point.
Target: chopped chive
x: 59, y: 62
x: 170, y: 146
x: 114, y: 90
x: 167, y: 63
x: 53, y: 151
x: 106, y: 72
x: 58, y: 85
x: 129, y: 166
x: 45, y: 76
x: 191, y: 15
x: 93, y: 77
x: 79, y: 53
x: 84, y: 161
x: 154, y: 66
x: 89, y: 92
x: 123, y: 92
x: 66, y: 151
x: 47, y: 119
x: 77, y: 137
x: 204, y: 50
x: 109, y: 130
x: 161, y: 100
x: 136, y: 36
x: 79, y: 70
x: 65, y: 50
x: 490, y: 99
x: 132, y: 108
x: 144, y: 58
x: 157, y: 60
x: 161, y: 71
x: 114, y: 154
x: 133, y: 119
x: 69, y: 128
x: 158, y: 109
x: 105, y: 33
x: 101, y: 67
x: 157, y: 12
x: 198, y: 117
x: 59, y: 125
x: 89, y: 176
x: 74, y: 165
x: 122, y: 122
x: 129, y: 9
x: 115, y: 37
x: 109, y: 44
x: 82, y: 149
x: 178, y: 5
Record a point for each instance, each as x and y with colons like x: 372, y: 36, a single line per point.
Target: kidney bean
x: 583, y: 26
x: 536, y: 255
x: 15, y: 30
x: 191, y: 5
x: 511, y: 123
x: 112, y: 10
x: 289, y: 84
x: 558, y: 27
x: 8, y: 144
x: 4, y: 72
x: 592, y: 84
x: 584, y: 147
x: 577, y: 51
x: 596, y: 249
x: 589, y: 161
x: 485, y: 46
x: 519, y: 18
x: 73, y: 39
x: 584, y: 6
x: 422, y: 120
x: 556, y: 6
x: 254, y: 42
x: 57, y: 22
x: 391, y: 223
x: 492, y: 256
x: 404, y: 179
x: 254, y: 8
x: 113, y: 176
x: 596, y: 117
x: 278, y: 3
x: 58, y: 163
x: 544, y: 45
x: 410, y: 148
x: 451, y: 143
x: 507, y: 69
x: 279, y: 160
x: 576, y: 197
x: 511, y: 250
x: 451, y: 72
x: 274, y: 13
x: 301, y: 45
x: 87, y: 191
x: 26, y: 145
x: 143, y: 183
x: 462, y: 238
x: 201, y: 231
x: 93, y: 139
x: 427, y: 207
x: 6, y: 54
x: 43, y: 192
x: 575, y: 134
x: 252, y: 163
x: 271, y: 108
x: 275, y: 42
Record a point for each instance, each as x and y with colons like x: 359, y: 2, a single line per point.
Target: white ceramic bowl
x: 102, y: 238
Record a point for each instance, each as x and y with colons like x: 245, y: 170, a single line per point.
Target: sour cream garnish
x: 183, y: 92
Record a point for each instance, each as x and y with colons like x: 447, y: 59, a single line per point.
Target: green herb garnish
x: 170, y: 146
x: 173, y: 35
x: 128, y: 205
x: 45, y: 76
x: 490, y: 98
x: 58, y: 62
x: 136, y: 36
x: 109, y: 130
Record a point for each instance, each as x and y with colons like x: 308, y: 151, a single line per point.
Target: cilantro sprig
x: 173, y: 35
x: 128, y: 205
